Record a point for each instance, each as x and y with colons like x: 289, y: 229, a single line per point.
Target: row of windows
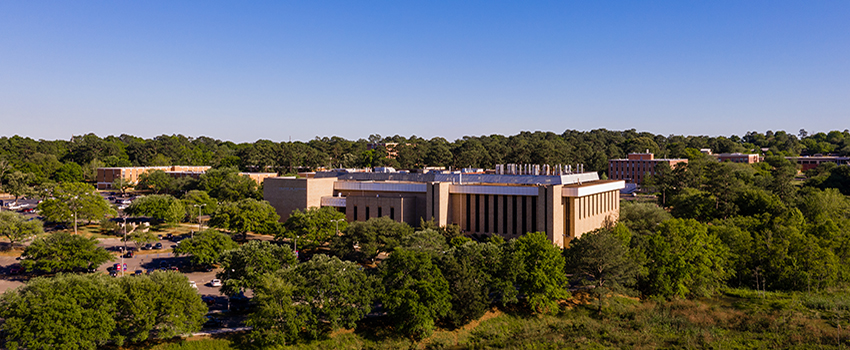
x: 510, y: 214
x: 369, y: 213
x: 597, y: 204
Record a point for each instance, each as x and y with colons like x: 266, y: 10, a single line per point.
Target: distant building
x: 738, y: 158
x: 105, y: 176
x: 562, y: 206
x: 637, y: 167
x: 807, y: 163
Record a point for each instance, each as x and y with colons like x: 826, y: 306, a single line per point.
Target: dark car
x: 208, y: 299
x: 157, y: 246
x: 129, y: 254
x: 139, y: 272
x: 212, y: 322
x: 16, y: 270
x: 148, y: 246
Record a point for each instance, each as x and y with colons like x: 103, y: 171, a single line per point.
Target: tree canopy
x: 63, y: 252
x: 18, y: 228
x: 313, y: 226
x: 243, y: 268
x: 205, y: 247
x: 160, y: 208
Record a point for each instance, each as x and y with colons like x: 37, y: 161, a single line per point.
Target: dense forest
x: 77, y: 159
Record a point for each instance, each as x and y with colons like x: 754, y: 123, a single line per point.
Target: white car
x: 193, y: 284
x: 215, y: 283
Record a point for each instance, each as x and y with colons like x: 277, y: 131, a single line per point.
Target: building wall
x: 259, y: 177
x: 563, y: 212
x: 437, y: 203
x: 287, y: 194
x: 738, y: 158
x: 638, y: 167
x: 401, y: 209
x: 590, y: 212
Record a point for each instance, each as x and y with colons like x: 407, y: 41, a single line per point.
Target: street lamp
x: 124, y: 252
x: 74, y: 208
x: 199, y: 217
x: 337, y: 224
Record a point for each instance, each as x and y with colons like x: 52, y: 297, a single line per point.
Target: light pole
x: 337, y: 225
x: 124, y: 252
x: 199, y: 217
x: 74, y: 208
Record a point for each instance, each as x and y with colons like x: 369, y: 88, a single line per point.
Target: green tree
x: 416, y: 292
x: 157, y: 181
x: 65, y: 312
x: 243, y: 267
x: 602, y: 260
x: 196, y: 201
x: 313, y: 227
x: 642, y: 218
x: 539, y: 270
x: 160, y: 208
x: 331, y: 293
x: 18, y: 228
x: 62, y: 251
x: 74, y: 201
x: 140, y: 238
x: 363, y: 241
x: 121, y: 184
x: 469, y: 283
x: 684, y: 260
x: 225, y: 184
x: 18, y: 184
x: 247, y: 215
x: 69, y: 172
x: 205, y: 247
x: 428, y: 240
x: 275, y: 320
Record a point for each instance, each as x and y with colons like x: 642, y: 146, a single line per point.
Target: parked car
x: 16, y: 270
x: 157, y: 246
x: 147, y: 247
x: 208, y: 299
x: 215, y: 283
x: 139, y: 272
x: 193, y: 284
x: 175, y: 269
x: 212, y: 322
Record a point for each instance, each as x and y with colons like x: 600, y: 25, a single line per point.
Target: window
x: 367, y: 213
x: 392, y: 213
x: 380, y: 210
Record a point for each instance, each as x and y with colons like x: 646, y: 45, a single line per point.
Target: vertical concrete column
x: 480, y: 214
x: 438, y: 203
x: 510, y: 214
x: 550, y: 213
x: 491, y: 219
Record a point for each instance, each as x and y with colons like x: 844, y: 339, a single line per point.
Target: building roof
x: 466, y: 178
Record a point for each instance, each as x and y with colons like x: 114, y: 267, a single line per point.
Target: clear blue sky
x: 244, y: 71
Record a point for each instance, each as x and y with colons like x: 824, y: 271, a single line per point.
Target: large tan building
x: 637, y: 167
x: 562, y: 206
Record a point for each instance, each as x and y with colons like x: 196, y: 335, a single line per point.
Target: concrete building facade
x: 738, y: 158
x: 637, y: 167
x: 562, y: 206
